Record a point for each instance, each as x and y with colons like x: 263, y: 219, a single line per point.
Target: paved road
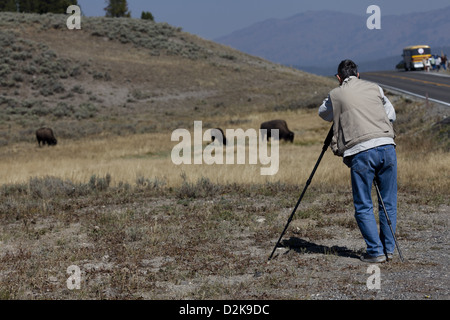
x: 418, y: 83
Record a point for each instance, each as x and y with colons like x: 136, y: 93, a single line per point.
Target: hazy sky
x: 214, y: 18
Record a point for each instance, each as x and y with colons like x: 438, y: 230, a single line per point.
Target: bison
x: 46, y: 136
x: 218, y: 133
x: 281, y: 125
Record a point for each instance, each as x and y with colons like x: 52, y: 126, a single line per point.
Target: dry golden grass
x: 149, y: 155
x: 428, y: 171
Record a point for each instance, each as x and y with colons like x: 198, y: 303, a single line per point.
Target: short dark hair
x: 347, y: 68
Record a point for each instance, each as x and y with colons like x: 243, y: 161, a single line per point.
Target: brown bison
x: 46, y: 136
x: 218, y: 134
x: 281, y: 125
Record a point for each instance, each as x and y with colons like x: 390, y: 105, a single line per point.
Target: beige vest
x: 359, y: 115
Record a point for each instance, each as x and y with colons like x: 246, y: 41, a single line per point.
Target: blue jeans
x: 379, y: 163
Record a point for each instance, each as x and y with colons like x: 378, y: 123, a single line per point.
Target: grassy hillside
x: 125, y: 76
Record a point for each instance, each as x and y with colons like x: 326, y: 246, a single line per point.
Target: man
x: 364, y: 136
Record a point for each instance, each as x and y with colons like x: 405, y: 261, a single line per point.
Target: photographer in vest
x: 362, y: 119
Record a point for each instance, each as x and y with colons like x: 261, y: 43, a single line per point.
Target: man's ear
x: 358, y: 76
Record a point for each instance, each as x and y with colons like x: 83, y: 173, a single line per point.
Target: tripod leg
x: 388, y: 220
x: 326, y: 144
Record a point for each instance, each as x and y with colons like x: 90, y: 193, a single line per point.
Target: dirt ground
x: 133, y: 244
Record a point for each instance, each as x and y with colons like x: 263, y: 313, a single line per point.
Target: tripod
x: 326, y: 144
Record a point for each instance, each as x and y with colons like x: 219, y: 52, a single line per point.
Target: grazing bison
x: 46, y: 136
x: 281, y: 125
x: 218, y: 133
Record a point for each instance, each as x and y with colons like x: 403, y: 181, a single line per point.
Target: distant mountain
x: 316, y: 41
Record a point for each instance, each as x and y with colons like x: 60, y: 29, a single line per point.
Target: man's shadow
x: 303, y: 246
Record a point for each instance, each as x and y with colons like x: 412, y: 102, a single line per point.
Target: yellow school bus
x: 413, y: 57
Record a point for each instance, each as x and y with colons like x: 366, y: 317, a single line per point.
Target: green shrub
x: 62, y: 109
x: 78, y: 89
x: 99, y: 183
x: 4, y: 70
x: 18, y: 77
x: 201, y: 189
x: 50, y: 187
x: 155, y: 184
x: 85, y: 111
